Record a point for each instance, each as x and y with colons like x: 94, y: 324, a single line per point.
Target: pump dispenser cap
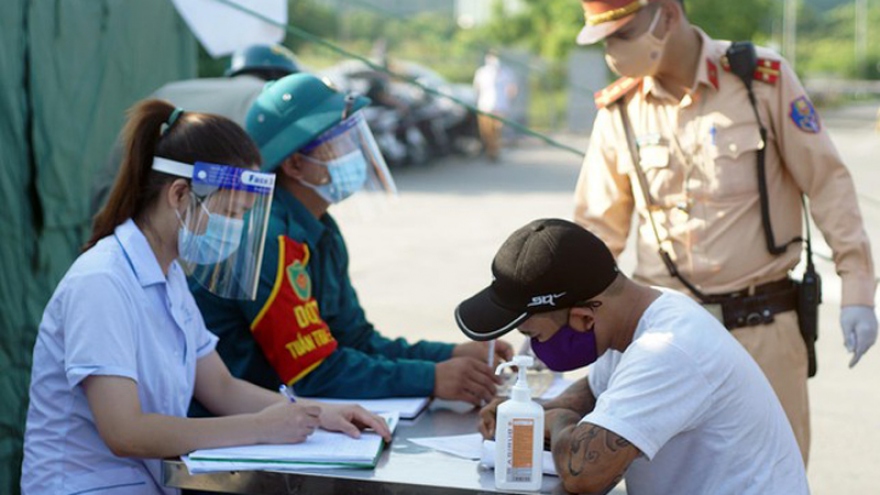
x: 520, y: 391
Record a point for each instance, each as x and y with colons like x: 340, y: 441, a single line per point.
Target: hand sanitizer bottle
x: 519, y: 434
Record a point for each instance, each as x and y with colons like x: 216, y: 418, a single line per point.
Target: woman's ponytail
x: 135, y: 186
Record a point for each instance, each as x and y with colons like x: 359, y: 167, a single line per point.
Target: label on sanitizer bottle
x: 520, y: 436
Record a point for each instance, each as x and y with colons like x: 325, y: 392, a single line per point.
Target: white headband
x: 172, y: 167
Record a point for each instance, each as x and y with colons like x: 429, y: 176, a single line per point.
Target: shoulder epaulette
x: 767, y: 70
x: 615, y: 91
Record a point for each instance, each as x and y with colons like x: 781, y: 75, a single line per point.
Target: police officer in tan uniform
x: 687, y: 118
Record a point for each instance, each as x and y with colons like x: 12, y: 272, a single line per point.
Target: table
x: 404, y: 468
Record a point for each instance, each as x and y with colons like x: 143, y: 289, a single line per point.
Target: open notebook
x: 322, y: 449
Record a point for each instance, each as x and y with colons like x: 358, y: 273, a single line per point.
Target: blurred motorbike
x: 411, y: 125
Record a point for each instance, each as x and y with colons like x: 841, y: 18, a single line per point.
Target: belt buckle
x: 715, y: 310
x: 754, y: 319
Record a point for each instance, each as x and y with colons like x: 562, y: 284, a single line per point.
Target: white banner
x: 222, y: 28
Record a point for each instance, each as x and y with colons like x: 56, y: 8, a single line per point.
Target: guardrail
x: 830, y: 87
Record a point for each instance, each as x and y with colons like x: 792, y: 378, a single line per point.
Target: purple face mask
x: 567, y: 349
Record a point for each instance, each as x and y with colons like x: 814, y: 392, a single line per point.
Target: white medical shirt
x: 113, y: 313
x: 691, y: 399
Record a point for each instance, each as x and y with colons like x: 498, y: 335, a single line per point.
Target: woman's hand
x: 351, y: 419
x: 286, y: 422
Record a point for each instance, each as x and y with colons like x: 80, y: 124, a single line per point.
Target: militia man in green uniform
x: 306, y: 327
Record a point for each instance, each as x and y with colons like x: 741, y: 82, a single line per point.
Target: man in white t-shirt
x: 496, y: 88
x: 673, y: 403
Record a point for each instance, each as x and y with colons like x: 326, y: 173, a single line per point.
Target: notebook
x: 320, y: 450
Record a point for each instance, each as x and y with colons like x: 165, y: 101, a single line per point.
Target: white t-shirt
x: 492, y: 83
x: 691, y: 399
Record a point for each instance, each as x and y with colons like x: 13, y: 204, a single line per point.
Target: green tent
x: 68, y: 71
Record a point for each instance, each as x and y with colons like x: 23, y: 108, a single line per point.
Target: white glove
x: 859, y: 326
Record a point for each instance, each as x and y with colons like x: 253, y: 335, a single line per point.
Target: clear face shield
x: 353, y: 160
x: 223, y: 229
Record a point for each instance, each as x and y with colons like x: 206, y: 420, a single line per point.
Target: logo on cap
x: 545, y: 300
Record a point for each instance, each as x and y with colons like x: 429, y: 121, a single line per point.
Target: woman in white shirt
x: 122, y: 348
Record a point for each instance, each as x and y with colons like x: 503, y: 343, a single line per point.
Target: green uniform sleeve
x: 400, y: 348
x: 352, y: 374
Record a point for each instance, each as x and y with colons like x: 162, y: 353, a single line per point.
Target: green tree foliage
x: 316, y: 17
x: 549, y: 27
x: 731, y: 20
x: 826, y: 43
x: 545, y: 27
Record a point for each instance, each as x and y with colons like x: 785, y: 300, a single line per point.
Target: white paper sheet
x: 406, y: 407
x: 472, y: 446
x: 222, y: 29
x: 467, y: 446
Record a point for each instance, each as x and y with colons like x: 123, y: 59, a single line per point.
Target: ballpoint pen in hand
x: 287, y: 392
x: 491, y: 358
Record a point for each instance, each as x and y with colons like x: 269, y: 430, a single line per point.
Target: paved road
x: 414, y: 260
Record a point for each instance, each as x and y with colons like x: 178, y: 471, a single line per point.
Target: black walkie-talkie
x: 809, y: 298
x: 742, y: 59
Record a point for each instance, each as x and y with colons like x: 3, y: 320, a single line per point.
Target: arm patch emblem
x: 804, y: 115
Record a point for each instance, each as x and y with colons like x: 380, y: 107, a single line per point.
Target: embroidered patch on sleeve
x: 804, y: 115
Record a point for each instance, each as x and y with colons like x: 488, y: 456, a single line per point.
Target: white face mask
x: 348, y: 173
x: 639, y: 57
x: 221, y: 238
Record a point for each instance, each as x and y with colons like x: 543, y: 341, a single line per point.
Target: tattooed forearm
x: 591, y: 459
x: 582, y: 450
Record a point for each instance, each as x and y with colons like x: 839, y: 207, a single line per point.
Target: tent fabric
x: 68, y: 71
x: 16, y: 241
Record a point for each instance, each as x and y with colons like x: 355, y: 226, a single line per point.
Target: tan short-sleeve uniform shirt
x: 699, y: 157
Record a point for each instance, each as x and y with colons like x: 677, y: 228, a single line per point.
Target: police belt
x: 749, y: 308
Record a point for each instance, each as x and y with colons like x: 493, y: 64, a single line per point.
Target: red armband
x: 289, y: 328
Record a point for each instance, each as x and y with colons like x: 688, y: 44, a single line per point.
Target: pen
x: 491, y: 357
x: 287, y: 392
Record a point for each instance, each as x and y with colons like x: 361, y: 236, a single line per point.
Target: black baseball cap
x: 547, y: 265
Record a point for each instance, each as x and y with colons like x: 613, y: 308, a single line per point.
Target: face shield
x: 352, y: 158
x: 223, y: 229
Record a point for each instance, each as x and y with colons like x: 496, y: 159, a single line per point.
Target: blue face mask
x: 348, y: 173
x: 221, y: 238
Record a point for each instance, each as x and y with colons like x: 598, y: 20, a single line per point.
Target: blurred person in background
x: 496, y: 89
